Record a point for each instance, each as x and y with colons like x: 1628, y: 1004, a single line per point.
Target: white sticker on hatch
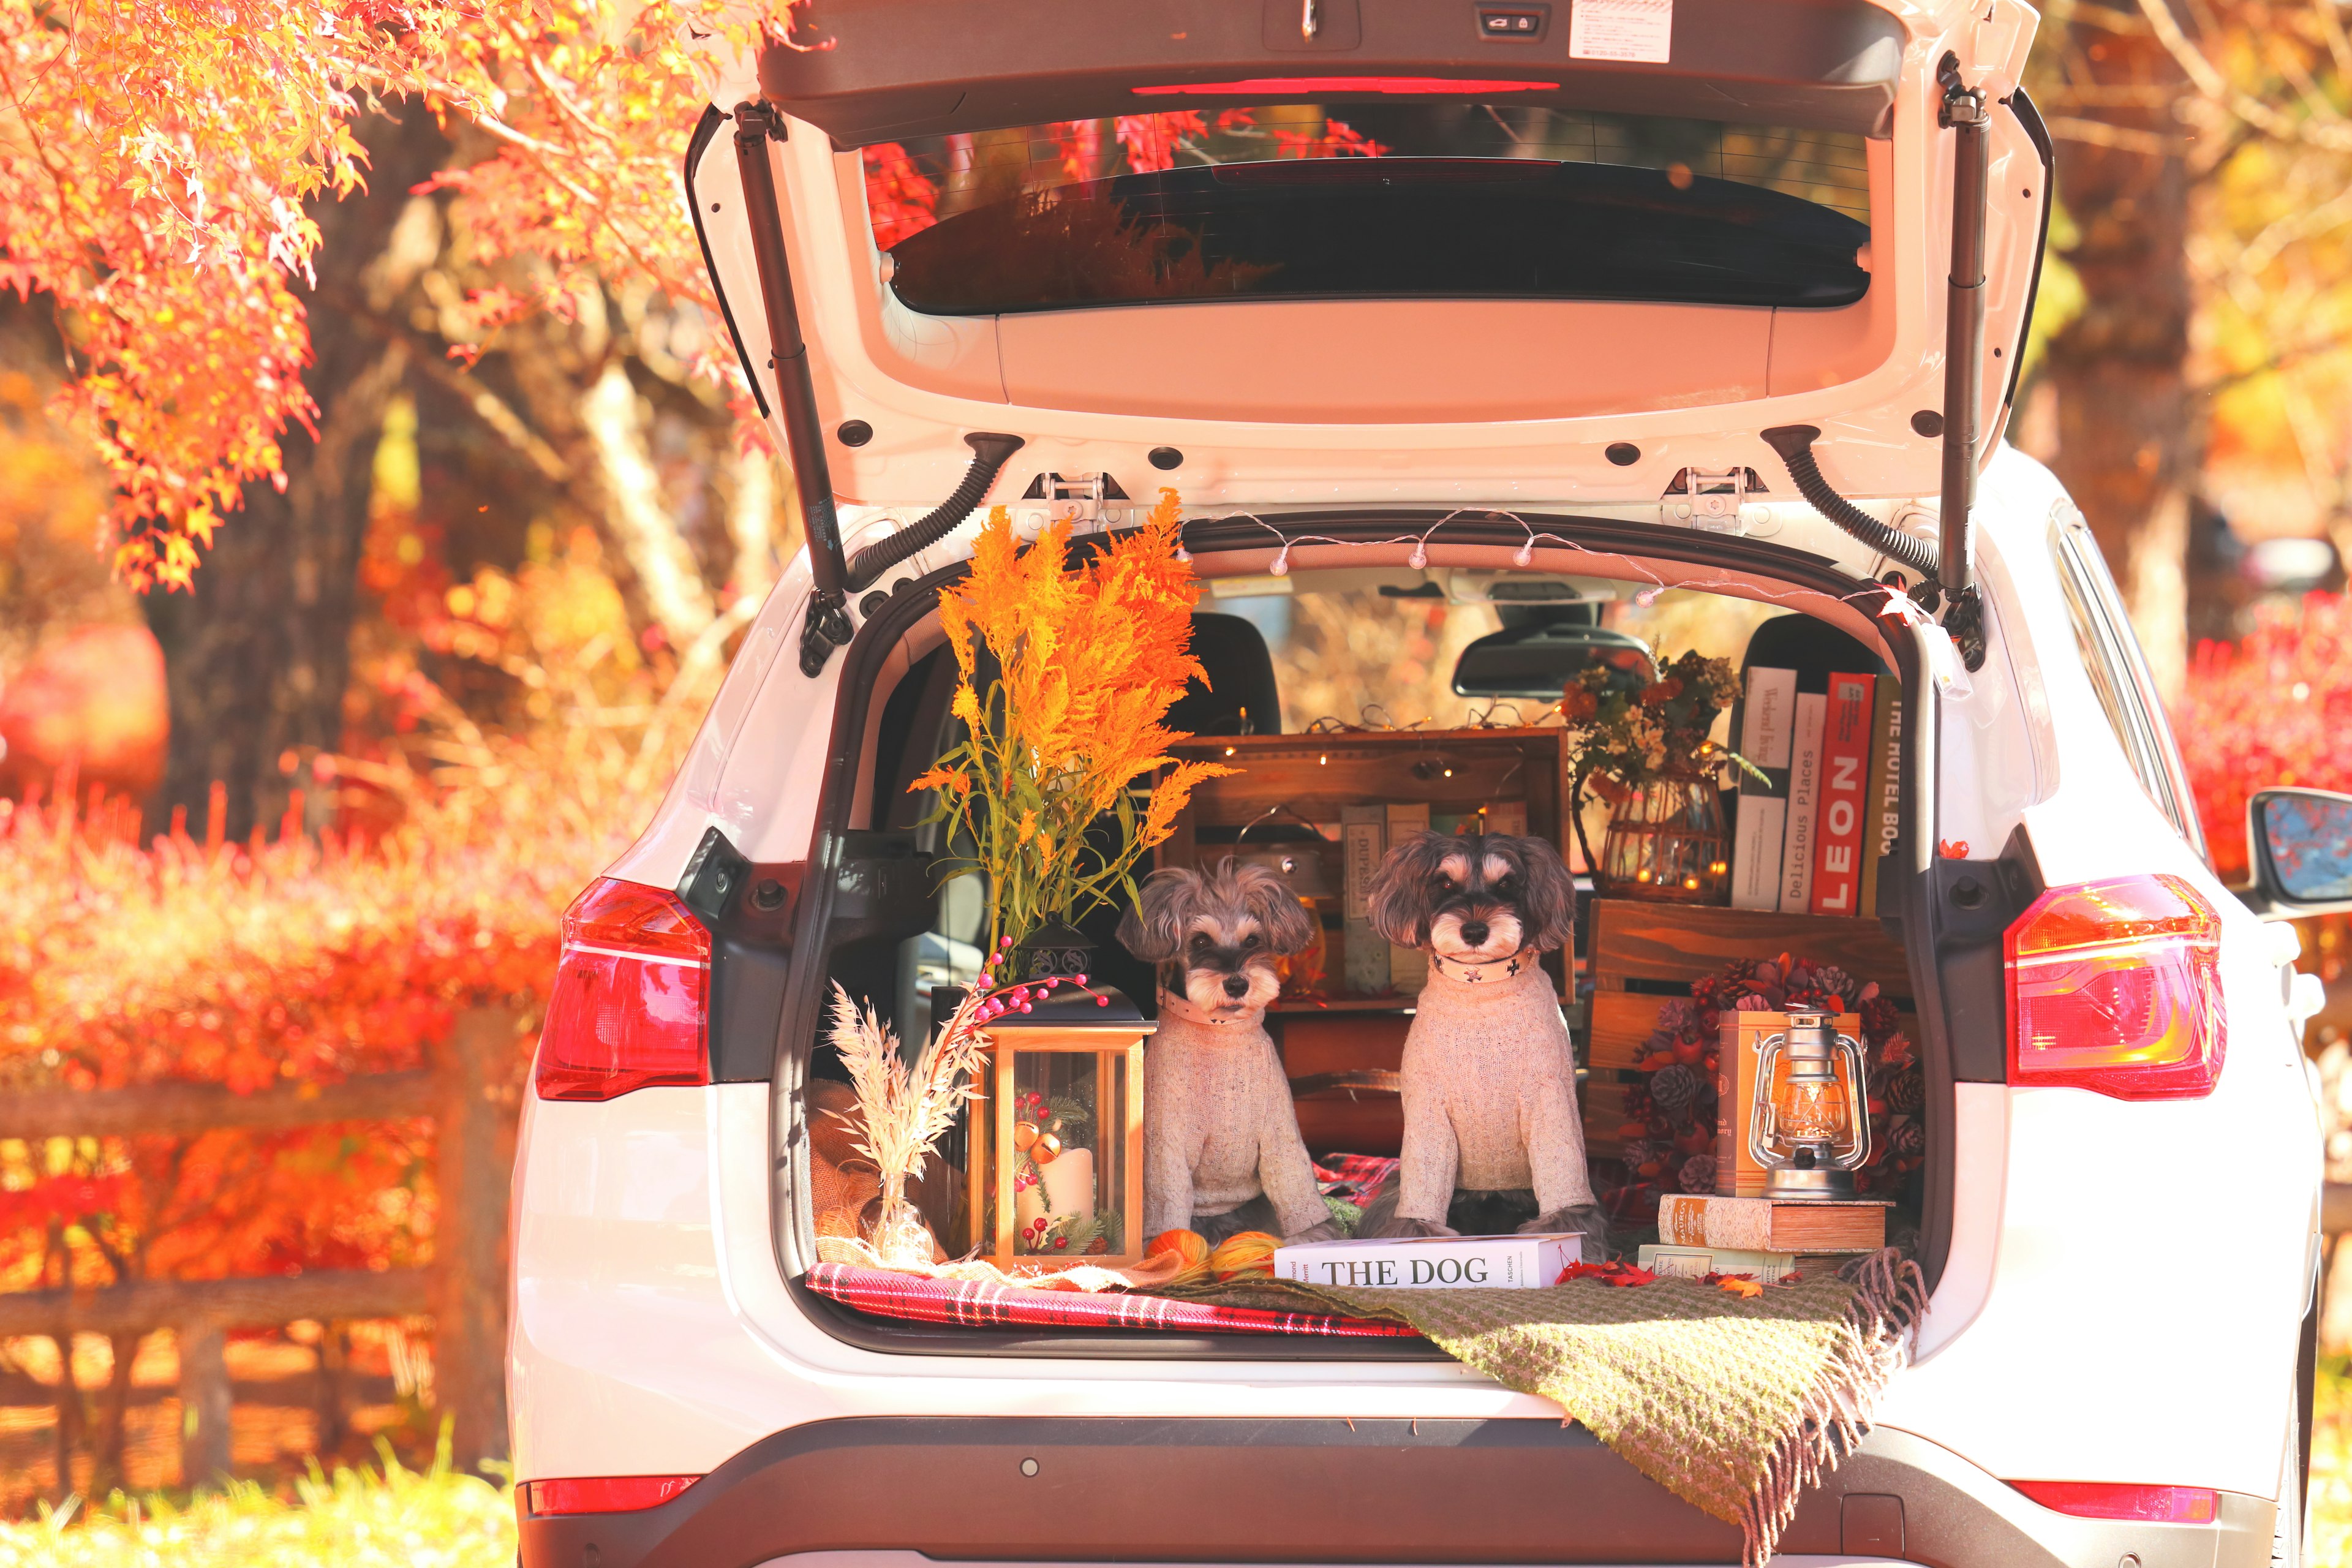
x: 1621, y: 30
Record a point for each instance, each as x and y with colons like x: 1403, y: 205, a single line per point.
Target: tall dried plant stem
x: 904, y: 1112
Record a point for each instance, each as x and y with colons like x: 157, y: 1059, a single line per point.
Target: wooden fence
x: 470, y: 1093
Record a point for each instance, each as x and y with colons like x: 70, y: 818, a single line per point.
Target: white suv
x: 1496, y: 301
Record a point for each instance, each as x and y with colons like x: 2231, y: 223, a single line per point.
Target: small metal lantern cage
x: 1809, y: 1123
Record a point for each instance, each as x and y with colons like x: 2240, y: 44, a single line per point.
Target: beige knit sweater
x: 1218, y: 1128
x: 1489, y: 1091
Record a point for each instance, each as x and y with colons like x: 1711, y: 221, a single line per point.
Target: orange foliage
x: 155, y: 158
x: 2275, y: 709
x: 1088, y: 661
x: 291, y: 961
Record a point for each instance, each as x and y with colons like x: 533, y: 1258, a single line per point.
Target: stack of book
x: 1809, y: 833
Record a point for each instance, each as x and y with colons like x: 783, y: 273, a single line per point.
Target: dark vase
x: 1053, y: 950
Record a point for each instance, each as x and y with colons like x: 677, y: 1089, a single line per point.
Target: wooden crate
x: 1641, y: 954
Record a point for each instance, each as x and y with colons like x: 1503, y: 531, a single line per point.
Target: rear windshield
x: 1381, y: 200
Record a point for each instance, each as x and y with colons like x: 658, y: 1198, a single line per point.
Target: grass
x: 2331, y: 1464
x: 392, y: 1517
x: 398, y: 1518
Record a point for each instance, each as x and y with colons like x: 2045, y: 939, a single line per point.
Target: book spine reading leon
x: 1845, y: 772
x: 1363, y: 839
x: 1884, y: 817
x: 1804, y: 805
x: 1408, y: 966
x: 1765, y: 722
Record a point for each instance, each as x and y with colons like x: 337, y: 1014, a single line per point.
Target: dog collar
x: 1482, y: 970
x: 1174, y: 1006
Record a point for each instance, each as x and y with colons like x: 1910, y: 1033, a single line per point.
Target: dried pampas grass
x: 906, y: 1112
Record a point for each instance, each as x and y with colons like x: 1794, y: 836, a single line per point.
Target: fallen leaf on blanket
x: 1622, y: 1275
x: 1746, y: 1290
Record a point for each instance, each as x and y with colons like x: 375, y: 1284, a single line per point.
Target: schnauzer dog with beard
x: 1492, y: 1138
x: 1222, y: 1152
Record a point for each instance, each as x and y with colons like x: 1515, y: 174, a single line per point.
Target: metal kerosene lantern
x: 1809, y: 1124
x: 1054, y: 1161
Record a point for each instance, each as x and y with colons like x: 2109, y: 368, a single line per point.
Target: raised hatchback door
x: 1457, y: 250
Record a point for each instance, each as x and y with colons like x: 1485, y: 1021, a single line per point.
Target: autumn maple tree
x: 155, y: 160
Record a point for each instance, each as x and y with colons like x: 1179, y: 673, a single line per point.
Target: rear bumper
x: 1033, y: 1490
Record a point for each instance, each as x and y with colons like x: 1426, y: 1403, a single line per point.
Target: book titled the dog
x: 1432, y: 1262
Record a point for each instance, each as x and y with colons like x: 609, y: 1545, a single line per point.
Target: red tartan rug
x: 975, y: 1304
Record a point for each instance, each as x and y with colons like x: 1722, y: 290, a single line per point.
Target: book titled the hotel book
x: 1431, y: 1262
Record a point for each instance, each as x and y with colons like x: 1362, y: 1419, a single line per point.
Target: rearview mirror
x: 2300, y: 842
x: 1540, y: 660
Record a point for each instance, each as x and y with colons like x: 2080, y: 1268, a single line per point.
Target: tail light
x: 2116, y: 987
x: 603, y: 1494
x: 630, y: 1007
x: 2099, y: 1499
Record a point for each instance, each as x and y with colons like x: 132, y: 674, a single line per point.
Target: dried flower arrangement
x: 1627, y: 730
x: 904, y: 1111
x: 1086, y: 662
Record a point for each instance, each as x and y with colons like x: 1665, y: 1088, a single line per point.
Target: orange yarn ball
x: 1248, y: 1255
x: 1190, y: 1246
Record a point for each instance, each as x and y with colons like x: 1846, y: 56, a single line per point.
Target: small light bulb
x: 1281, y: 567
x: 1229, y: 751
x: 1449, y: 773
x: 1323, y: 762
x: 1419, y: 556
x: 1526, y: 554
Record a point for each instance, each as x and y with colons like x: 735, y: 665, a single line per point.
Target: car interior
x: 1434, y: 693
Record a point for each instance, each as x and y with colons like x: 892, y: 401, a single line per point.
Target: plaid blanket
x: 975, y: 1304
x: 1353, y: 1177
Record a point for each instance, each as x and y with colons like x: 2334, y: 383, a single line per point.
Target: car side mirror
x: 2300, y: 844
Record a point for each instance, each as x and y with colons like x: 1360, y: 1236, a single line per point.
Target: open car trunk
x: 878, y: 920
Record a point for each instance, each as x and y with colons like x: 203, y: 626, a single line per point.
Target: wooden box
x: 1639, y: 954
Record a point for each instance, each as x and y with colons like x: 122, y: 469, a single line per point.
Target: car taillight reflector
x: 2103, y: 1499
x: 631, y: 1001
x: 2116, y: 987
x: 1308, y: 86
x: 603, y: 1494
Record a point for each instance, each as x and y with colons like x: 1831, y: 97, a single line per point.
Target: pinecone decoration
x: 1697, y: 1174
x: 1907, y: 1091
x: 1908, y: 1140
x: 1636, y: 1153
x: 1675, y: 1089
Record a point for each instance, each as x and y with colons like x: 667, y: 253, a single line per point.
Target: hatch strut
x: 1948, y: 568
x: 827, y: 626
x: 1965, y: 112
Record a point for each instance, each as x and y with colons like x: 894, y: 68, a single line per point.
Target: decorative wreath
x: 1669, y: 1135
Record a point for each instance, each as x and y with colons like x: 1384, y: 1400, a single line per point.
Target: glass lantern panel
x: 1069, y: 1182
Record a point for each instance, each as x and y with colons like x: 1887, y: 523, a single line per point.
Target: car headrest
x: 1241, y: 698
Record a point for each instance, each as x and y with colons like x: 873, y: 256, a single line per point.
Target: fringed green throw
x: 1735, y: 1405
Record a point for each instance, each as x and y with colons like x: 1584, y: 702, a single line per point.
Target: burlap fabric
x: 1733, y: 1404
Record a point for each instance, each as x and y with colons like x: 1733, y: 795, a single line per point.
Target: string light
x: 1892, y: 597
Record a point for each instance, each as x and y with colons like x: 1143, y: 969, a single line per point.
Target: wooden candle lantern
x: 1056, y: 1157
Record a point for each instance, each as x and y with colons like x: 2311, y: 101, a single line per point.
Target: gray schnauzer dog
x: 1492, y: 1138
x: 1222, y: 1152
